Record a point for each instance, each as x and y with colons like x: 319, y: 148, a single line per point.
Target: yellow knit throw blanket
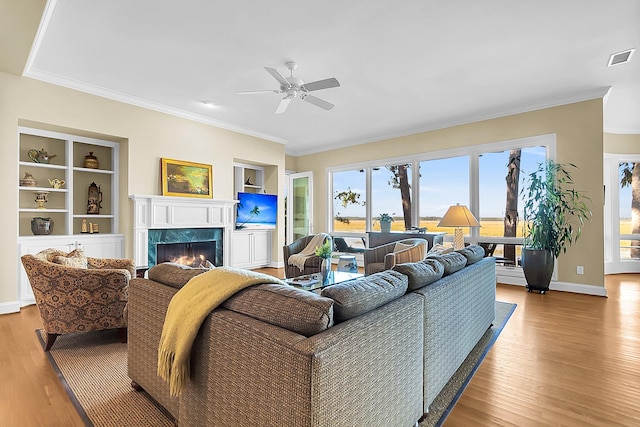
x: 187, y: 310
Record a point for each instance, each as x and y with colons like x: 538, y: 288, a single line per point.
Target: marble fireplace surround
x: 163, y: 213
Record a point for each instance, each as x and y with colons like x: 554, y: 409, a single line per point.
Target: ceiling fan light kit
x: 294, y: 87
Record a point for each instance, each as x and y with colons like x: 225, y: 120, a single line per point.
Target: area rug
x: 93, y: 369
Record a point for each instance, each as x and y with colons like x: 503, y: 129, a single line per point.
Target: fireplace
x: 192, y: 254
x: 162, y: 219
x: 189, y: 246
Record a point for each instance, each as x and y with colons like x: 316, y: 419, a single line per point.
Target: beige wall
x: 145, y: 137
x: 621, y: 143
x: 578, y: 128
x: 291, y: 163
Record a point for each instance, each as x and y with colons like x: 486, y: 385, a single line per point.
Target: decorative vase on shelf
x: 385, y: 226
x: 41, y: 226
x: 91, y: 161
x: 41, y: 199
x: 95, y: 199
x: 28, y: 180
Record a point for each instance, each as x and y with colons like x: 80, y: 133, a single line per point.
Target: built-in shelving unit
x: 248, y: 178
x: 251, y: 248
x: 67, y: 206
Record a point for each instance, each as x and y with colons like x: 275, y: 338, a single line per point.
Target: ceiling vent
x: 620, y: 57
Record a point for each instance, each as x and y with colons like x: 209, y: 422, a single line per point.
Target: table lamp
x: 458, y: 216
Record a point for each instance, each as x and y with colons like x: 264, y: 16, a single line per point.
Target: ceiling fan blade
x: 251, y: 92
x: 276, y: 75
x: 284, y: 103
x: 321, y: 84
x: 318, y: 102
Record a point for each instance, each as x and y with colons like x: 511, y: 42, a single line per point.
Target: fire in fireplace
x: 192, y: 254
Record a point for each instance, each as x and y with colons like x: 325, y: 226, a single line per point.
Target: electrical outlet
x: 580, y: 270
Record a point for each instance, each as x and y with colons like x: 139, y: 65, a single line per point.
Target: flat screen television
x: 256, y: 210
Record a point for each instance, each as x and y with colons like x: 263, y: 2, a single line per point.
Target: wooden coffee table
x: 312, y: 282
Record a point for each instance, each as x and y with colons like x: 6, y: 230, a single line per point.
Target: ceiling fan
x: 293, y: 87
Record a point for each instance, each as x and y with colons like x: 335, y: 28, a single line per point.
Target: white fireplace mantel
x: 162, y: 212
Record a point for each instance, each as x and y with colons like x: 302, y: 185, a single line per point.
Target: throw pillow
x: 451, y: 262
x: 359, y: 296
x: 402, y: 246
x: 75, y: 259
x: 473, y: 253
x: 440, y: 249
x: 421, y: 273
x: 48, y: 254
x: 303, y: 312
x: 413, y: 254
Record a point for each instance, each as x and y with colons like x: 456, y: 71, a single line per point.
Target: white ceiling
x: 404, y: 66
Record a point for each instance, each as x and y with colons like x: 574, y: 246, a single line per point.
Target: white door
x: 300, y: 206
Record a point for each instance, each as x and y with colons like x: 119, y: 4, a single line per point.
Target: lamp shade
x: 458, y: 216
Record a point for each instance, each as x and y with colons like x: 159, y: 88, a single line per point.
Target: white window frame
x: 511, y: 275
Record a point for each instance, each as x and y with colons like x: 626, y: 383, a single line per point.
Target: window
x: 438, y: 190
x: 349, y: 201
x: 622, y: 213
x: 500, y: 176
x: 418, y: 190
x: 391, y: 194
x: 629, y: 210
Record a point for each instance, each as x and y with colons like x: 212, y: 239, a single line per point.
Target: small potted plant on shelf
x: 385, y: 221
x: 554, y: 213
x: 324, y: 251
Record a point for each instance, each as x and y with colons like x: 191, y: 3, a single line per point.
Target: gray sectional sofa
x: 370, y: 352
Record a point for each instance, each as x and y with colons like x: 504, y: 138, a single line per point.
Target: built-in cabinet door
x: 241, y: 249
x: 261, y: 248
x: 251, y: 248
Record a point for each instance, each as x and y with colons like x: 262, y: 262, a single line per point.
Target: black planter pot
x: 538, y: 269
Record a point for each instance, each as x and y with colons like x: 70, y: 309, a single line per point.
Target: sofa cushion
x: 473, y: 253
x: 75, y: 258
x: 451, y: 262
x: 303, y: 312
x: 421, y: 273
x: 173, y: 275
x: 359, y: 296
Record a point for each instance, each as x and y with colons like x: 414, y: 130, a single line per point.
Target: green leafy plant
x: 385, y: 217
x: 554, y: 212
x: 324, y: 250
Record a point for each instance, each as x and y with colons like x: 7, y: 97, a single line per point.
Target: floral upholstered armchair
x: 75, y: 293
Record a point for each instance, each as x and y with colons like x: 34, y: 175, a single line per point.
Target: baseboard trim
x: 576, y: 288
x: 9, y: 307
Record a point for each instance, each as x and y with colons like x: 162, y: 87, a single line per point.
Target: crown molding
x: 139, y: 102
x: 565, y: 99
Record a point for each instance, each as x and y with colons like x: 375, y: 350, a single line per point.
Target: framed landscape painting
x: 186, y: 179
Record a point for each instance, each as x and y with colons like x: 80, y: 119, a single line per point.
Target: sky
x: 443, y: 183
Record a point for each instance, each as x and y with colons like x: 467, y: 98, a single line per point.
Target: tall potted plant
x: 554, y: 213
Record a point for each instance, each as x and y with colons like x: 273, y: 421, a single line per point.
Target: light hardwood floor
x: 563, y: 359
